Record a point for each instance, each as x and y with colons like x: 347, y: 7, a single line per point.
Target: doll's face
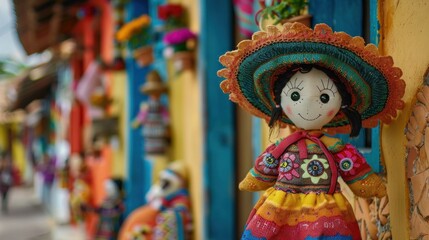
x: 169, y: 183
x: 111, y: 189
x: 310, y: 100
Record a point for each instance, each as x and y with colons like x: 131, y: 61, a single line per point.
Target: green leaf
x: 284, y: 9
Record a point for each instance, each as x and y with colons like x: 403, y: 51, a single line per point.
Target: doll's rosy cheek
x: 288, y: 110
x: 331, y: 113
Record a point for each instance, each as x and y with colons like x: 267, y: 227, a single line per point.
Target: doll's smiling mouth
x: 309, y: 119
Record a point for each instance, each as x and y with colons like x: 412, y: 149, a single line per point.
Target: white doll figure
x: 170, y: 196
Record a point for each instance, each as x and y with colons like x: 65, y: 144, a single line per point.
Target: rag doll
x: 110, y: 211
x: 170, y: 196
x: 167, y: 214
x: 317, y: 82
x: 154, y: 116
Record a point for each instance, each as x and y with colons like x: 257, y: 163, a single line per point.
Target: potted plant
x: 275, y: 12
x: 173, y: 16
x: 136, y: 34
x: 180, y: 45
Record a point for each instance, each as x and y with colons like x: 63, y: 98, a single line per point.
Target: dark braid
x: 352, y: 115
x: 277, y: 112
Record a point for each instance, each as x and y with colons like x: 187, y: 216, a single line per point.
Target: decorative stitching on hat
x: 251, y: 69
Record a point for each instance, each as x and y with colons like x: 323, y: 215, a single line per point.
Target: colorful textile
x: 110, y: 219
x: 245, y: 11
x: 99, y: 170
x: 79, y: 197
x: 91, y: 79
x: 48, y: 170
x: 372, y: 80
x: 154, y: 118
x: 174, y: 221
x: 167, y: 226
x: 301, y: 202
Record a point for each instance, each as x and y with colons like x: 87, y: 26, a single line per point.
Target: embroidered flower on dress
x: 346, y: 164
x: 314, y: 169
x: 349, y: 160
x: 288, y: 167
x: 270, y: 163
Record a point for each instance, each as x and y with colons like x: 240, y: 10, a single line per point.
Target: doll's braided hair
x: 352, y: 115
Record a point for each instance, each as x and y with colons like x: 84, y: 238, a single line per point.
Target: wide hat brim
x: 372, y: 80
x: 153, y: 88
x: 153, y: 84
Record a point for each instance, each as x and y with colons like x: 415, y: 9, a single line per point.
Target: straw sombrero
x: 372, y: 80
x: 153, y: 84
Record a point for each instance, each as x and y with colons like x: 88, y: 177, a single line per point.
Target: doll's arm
x: 356, y: 172
x: 140, y: 119
x: 259, y: 178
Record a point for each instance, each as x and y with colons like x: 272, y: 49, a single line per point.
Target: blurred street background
x: 26, y: 219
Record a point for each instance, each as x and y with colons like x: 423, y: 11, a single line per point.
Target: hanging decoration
x: 119, y: 20
x: 173, y: 16
x: 180, y: 40
x: 180, y: 46
x: 245, y: 11
x: 79, y: 187
x: 92, y: 91
x: 138, y: 37
x: 154, y: 116
x: 110, y: 211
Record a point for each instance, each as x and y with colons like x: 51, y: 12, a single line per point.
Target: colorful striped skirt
x: 279, y: 215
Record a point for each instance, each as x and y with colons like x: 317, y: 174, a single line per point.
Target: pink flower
x: 269, y: 164
x: 178, y: 36
x: 288, y: 167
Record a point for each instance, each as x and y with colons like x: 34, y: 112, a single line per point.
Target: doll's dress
x: 297, y: 203
x: 155, y: 119
x: 175, y: 220
x: 110, y: 219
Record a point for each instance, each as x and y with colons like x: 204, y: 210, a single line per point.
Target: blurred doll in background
x: 79, y: 187
x: 110, y: 211
x: 6, y: 179
x: 171, y: 198
x: 167, y: 216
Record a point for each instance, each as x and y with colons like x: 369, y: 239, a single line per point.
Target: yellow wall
x: 18, y: 150
x: 18, y: 156
x: 3, y: 137
x: 186, y: 116
x: 404, y: 36
x: 118, y: 87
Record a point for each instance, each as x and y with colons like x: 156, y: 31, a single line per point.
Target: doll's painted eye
x: 295, y: 96
x: 324, y: 98
x: 165, y: 184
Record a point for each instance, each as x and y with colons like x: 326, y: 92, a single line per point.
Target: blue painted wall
x: 138, y: 170
x: 216, y: 38
x: 348, y: 16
